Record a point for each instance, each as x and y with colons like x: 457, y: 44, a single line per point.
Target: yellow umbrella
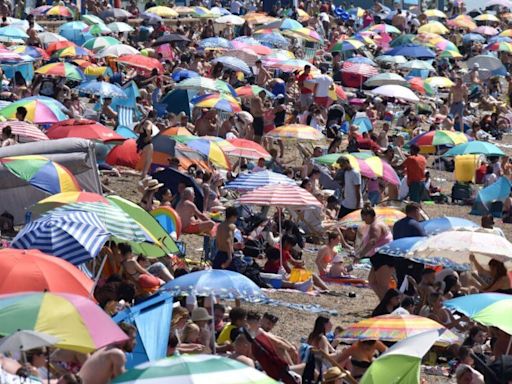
x: 439, y: 82
x: 182, y: 10
x: 451, y: 55
x: 433, y: 27
x: 462, y: 21
x: 429, y: 38
x: 162, y: 11
x: 435, y: 13
x: 258, y: 18
x: 305, y: 34
x: 486, y: 17
x: 303, y: 15
x: 506, y: 33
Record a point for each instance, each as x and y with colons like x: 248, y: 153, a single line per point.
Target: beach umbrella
x: 404, y: 39
x: 347, y: 45
x: 506, y: 33
x: 283, y: 24
x: 233, y: 63
x: 116, y: 221
x: 385, y: 79
x: 439, y: 137
x: 117, y: 50
x: 177, y: 131
x: 120, y: 27
x: 102, y: 89
x: 500, y: 46
x: 486, y: 30
x: 252, y: 91
x: 418, y: 84
x: 74, y: 236
x: 412, y: 50
x: 258, y: 18
x: 251, y: 48
x: 360, y: 69
x: 445, y: 45
x: 250, y: 181
x: 435, y: 13
x: 433, y: 27
x: 462, y: 21
x: 151, y: 19
x: 447, y: 223
x: 85, y: 129
x: 396, y: 91
x: 42, y: 173
x: 25, y: 131
x: 487, y: 62
x: 306, y: 34
x: 417, y: 64
x: 163, y: 11
x: 194, y: 369
x: 40, y: 110
x: 394, y: 328
x: 141, y: 62
x: 96, y: 44
x: 475, y: 147
x: 59, y: 10
x: 66, y: 70
x: 34, y: 52
x: 295, y: 132
x: 384, y: 28
x: 221, y: 102
x: 33, y: 271
x: 168, y: 38
x: 292, y: 65
x: 401, y: 363
x: 182, y: 74
x: 247, y: 149
x: 78, y: 323
x: 470, y: 305
x: 362, y: 60
x: 273, y: 39
x: 202, y: 12
x: 473, y: 37
x: 12, y: 34
x: 97, y: 29
x: 212, y: 149
x: 116, y: 13
x: 439, y: 82
x: 486, y: 17
x: 459, y: 245
x: 73, y: 51
x: 58, y: 45
x: 206, y: 84
x: 387, y: 215
x: 387, y: 59
x: 22, y: 341
x: 215, y: 43
x: 40, y: 11
x: 183, y: 10
x: 91, y: 19
x: 450, y: 55
x: 50, y: 37
x: 230, y: 19
x: 64, y: 198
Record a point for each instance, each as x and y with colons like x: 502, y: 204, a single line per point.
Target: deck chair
x: 125, y: 117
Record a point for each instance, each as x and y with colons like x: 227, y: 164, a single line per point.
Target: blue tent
x: 177, y: 101
x: 132, y: 92
x: 363, y: 123
x: 496, y: 192
x: 152, y: 317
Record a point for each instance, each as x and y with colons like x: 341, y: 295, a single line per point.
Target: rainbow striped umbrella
x: 40, y: 110
x: 439, y: 137
x: 66, y: 70
x: 347, y: 45
x: 97, y: 29
x: 212, y: 147
x: 388, y: 215
x: 305, y: 34
x: 296, y: 132
x: 194, y: 369
x: 206, y: 84
x: 221, y: 102
x: 78, y: 323
x: 252, y: 90
x: 502, y: 46
x: 280, y: 196
x: 34, y: 52
x: 73, y: 51
x: 59, y: 10
x: 394, y: 328
x: 450, y: 55
x: 42, y: 173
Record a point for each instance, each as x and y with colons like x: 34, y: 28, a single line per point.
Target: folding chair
x: 125, y: 117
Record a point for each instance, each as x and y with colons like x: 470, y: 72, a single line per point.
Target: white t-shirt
x: 235, y: 7
x: 324, y: 83
x: 352, y: 178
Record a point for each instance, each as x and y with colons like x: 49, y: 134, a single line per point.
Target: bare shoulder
x: 232, y: 227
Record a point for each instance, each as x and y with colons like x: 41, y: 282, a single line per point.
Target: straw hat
x: 200, y: 314
x: 152, y: 185
x: 332, y: 374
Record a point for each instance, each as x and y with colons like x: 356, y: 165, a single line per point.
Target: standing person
x: 262, y: 77
x: 225, y: 233
x: 257, y: 112
x: 306, y: 94
x: 21, y: 113
x: 457, y: 99
x: 376, y: 235
x: 415, y: 166
x: 323, y: 84
x: 352, y: 195
x: 145, y: 144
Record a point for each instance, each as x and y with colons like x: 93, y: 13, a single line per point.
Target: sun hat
x: 200, y: 314
x: 333, y: 373
x: 153, y: 185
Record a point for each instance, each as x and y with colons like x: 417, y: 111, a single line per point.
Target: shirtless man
x: 257, y: 112
x: 109, y: 362
x: 457, y: 98
x: 263, y: 76
x: 224, y: 238
x: 192, y: 220
x: 207, y: 124
x: 327, y: 253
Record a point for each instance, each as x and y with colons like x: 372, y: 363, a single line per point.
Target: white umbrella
x: 50, y: 37
x: 388, y: 59
x: 458, y: 245
x: 118, y: 50
x: 417, y: 64
x: 397, y: 91
x: 385, y: 79
x: 26, y: 340
x: 120, y: 27
x: 230, y: 19
x: 491, y: 63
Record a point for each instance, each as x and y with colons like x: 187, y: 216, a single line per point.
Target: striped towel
x: 125, y: 117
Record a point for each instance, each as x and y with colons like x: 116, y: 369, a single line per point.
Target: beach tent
x: 172, y: 178
x: 496, y: 192
x: 152, y: 318
x: 177, y: 101
x: 77, y: 155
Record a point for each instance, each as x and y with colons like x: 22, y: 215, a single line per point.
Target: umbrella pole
x: 97, y: 278
x: 280, y: 211
x: 48, y: 364
x: 214, y: 347
x: 509, y: 345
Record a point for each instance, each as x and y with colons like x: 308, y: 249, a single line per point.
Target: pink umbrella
x: 361, y: 69
x: 24, y: 130
x: 486, y: 30
x: 257, y: 49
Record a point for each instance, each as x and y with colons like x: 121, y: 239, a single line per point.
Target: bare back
x: 103, y: 366
x: 224, y: 237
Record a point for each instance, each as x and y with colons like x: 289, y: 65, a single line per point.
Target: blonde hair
x: 188, y: 331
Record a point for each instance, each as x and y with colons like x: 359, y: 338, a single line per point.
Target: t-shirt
x: 225, y: 334
x: 324, y: 83
x: 235, y: 7
x: 352, y: 179
x: 301, y: 79
x: 415, y: 168
x: 407, y: 227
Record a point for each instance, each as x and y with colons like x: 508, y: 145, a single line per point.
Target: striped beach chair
x: 125, y: 117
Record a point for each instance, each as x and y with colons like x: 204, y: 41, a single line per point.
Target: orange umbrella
x: 142, y: 62
x: 33, y: 271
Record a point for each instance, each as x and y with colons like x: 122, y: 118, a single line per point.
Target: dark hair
x: 125, y: 248
x: 34, y: 352
x: 271, y: 317
x: 407, y: 301
x: 427, y: 271
x: 382, y: 308
x: 449, y: 282
x: 7, y: 131
x: 231, y: 212
x: 318, y: 329
x: 464, y: 351
x: 253, y: 315
x: 470, y: 340
x: 368, y: 211
x: 501, y: 270
x: 237, y: 314
x: 220, y: 307
x: 127, y: 328
x: 412, y: 207
x: 414, y: 149
x: 71, y: 378
x: 332, y: 235
x: 287, y: 239
x: 126, y: 291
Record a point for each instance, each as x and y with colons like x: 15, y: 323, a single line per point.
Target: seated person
x: 157, y: 269
x: 134, y: 272
x: 7, y: 225
x: 326, y: 256
x: 237, y: 319
x: 361, y: 355
x: 192, y: 220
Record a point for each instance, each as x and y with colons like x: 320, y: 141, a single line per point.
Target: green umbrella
x: 164, y: 244
x: 496, y: 315
x: 475, y: 148
x: 98, y: 43
x: 331, y: 158
x: 194, y: 369
x: 401, y: 364
x: 408, y: 38
x: 92, y: 19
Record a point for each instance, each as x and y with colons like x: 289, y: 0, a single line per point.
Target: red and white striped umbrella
x: 281, y: 196
x: 361, y: 69
x: 25, y: 131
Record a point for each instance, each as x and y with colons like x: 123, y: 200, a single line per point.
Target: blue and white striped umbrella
x: 447, y: 223
x: 102, y: 88
x: 74, y: 236
x: 233, y: 63
x: 215, y: 43
x: 250, y: 181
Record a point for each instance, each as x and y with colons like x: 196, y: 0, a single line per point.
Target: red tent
x: 125, y: 155
x: 85, y: 129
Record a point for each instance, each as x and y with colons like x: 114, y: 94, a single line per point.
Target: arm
x: 358, y: 193
x: 481, y: 270
x: 372, y: 236
x: 199, y: 214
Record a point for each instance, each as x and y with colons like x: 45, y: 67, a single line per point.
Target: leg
x: 318, y: 282
x: 147, y: 156
x: 281, y: 148
x: 205, y: 226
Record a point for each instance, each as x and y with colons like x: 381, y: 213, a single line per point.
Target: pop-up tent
x: 77, y: 155
x: 152, y: 317
x: 489, y: 196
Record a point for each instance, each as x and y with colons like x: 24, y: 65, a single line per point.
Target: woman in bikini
x: 359, y: 356
x: 134, y: 272
x: 145, y: 144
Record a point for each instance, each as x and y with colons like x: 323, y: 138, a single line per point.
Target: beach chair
x: 125, y: 117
